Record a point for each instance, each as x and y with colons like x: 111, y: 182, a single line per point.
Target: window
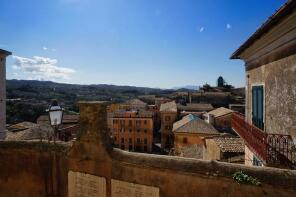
x: 145, y: 121
x: 122, y: 147
x: 122, y: 122
x: 257, y: 106
x: 130, y: 140
x: 138, y: 130
x: 130, y: 123
x: 145, y: 130
x: 167, y: 118
x: 130, y: 130
x: 138, y: 140
x: 185, y: 140
x: 130, y: 147
x: 138, y: 122
x: 115, y: 121
x: 122, y: 140
x: 145, y: 141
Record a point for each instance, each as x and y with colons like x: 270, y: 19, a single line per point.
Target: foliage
x: 28, y: 99
x: 241, y: 177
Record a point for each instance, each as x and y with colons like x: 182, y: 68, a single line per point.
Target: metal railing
x: 275, y: 150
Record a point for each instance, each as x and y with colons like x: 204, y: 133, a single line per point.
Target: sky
x: 149, y: 43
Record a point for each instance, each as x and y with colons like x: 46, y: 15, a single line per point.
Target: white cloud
x: 41, y: 68
x: 46, y: 49
x: 201, y: 29
x: 228, y: 26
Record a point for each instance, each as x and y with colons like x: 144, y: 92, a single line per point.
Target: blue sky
x: 152, y: 43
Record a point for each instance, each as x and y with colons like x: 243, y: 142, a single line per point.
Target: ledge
x: 36, y: 145
x: 266, y: 175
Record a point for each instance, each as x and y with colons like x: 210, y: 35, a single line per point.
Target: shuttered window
x: 257, y: 106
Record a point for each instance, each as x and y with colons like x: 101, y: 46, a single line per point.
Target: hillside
x: 27, y: 99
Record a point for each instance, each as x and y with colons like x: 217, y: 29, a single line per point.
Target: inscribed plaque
x: 126, y: 189
x: 85, y: 185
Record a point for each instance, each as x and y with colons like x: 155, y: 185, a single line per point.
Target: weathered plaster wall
x: 279, y: 80
x: 211, y: 150
x: 34, y: 169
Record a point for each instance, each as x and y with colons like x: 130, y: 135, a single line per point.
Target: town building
x: 91, y: 166
x: 195, y: 107
x: 191, y: 130
x: 168, y: 115
x: 191, y: 151
x: 269, y: 125
x: 3, y: 55
x: 224, y: 148
x: 220, y: 118
x: 132, y: 130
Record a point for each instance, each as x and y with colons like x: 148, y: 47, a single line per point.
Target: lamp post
x: 55, y: 113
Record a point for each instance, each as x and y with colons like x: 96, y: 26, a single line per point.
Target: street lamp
x: 55, y: 113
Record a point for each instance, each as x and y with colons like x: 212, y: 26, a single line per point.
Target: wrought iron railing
x: 273, y: 149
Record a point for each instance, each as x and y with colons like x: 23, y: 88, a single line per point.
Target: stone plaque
x: 126, y: 189
x: 85, y: 185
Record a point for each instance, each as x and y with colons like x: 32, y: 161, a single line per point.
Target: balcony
x: 272, y: 149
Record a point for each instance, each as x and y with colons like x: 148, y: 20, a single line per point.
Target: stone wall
x: 279, y: 82
x: 91, y: 166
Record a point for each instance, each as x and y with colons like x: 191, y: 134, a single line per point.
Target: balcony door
x: 257, y: 106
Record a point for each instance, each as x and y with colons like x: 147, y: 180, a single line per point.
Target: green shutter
x: 257, y: 106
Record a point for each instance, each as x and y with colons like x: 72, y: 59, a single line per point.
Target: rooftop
x: 230, y: 144
x: 195, y: 107
x: 136, y: 101
x: 183, y: 121
x: 221, y: 111
x: 274, y: 19
x: 168, y: 107
x: 192, y: 124
x: 32, y: 133
x: 5, y: 52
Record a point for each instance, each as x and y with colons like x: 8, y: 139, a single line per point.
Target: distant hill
x: 186, y: 87
x: 27, y: 99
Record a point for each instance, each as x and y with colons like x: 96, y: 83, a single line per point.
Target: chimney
x: 3, y: 55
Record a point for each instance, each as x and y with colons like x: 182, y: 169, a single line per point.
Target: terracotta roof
x: 135, y: 102
x: 193, y: 125
x: 195, y: 107
x: 30, y: 134
x: 183, y: 121
x: 21, y: 126
x: 168, y: 107
x: 221, y: 111
x: 230, y: 144
x: 5, y: 52
x: 273, y: 20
